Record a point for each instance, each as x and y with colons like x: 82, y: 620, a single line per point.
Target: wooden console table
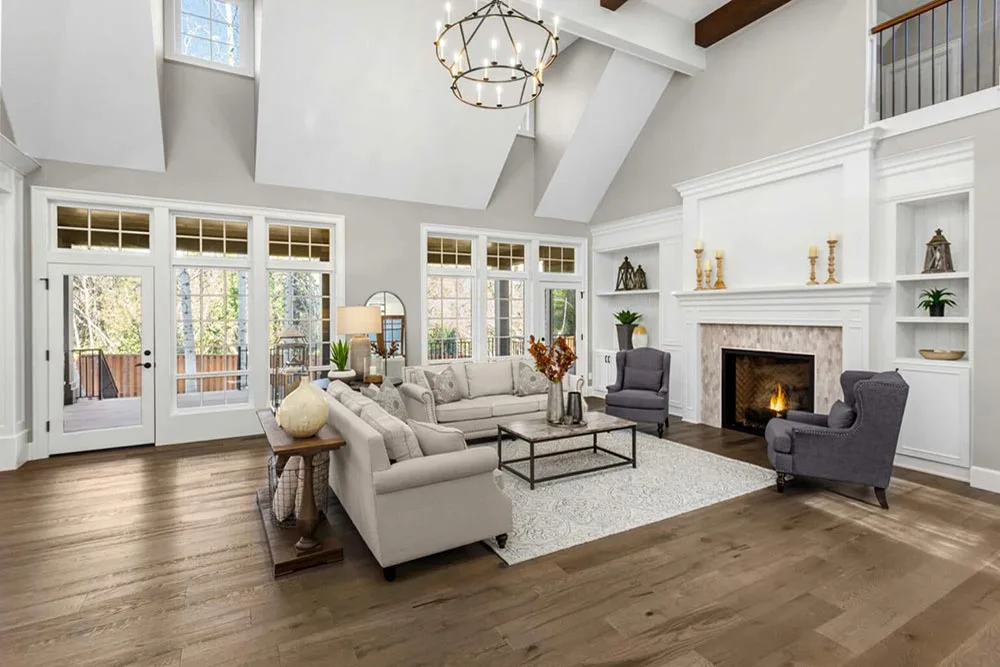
x: 312, y: 542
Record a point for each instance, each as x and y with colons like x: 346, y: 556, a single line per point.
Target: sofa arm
x: 810, y: 418
x: 427, y: 470
x: 419, y: 402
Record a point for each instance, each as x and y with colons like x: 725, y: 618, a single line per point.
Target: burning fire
x: 779, y: 402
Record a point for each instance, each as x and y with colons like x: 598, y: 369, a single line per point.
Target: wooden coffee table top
x: 536, y: 429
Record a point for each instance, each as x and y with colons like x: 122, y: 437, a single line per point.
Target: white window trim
x: 248, y: 32
x: 533, y: 278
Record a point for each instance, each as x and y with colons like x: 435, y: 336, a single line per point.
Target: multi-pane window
x: 504, y: 256
x: 302, y: 300
x: 449, y: 317
x: 556, y: 259
x: 299, y: 242
x: 210, y: 30
x: 448, y: 253
x: 211, y: 238
x: 212, y: 336
x: 101, y: 229
x: 504, y: 317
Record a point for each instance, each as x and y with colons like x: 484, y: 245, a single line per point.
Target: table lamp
x: 359, y: 322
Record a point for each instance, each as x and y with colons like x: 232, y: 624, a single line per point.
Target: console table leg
x: 308, y: 517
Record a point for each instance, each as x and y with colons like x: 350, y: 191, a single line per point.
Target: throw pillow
x: 642, y: 378
x: 444, y: 386
x: 400, y: 441
x: 337, y: 389
x: 841, y: 416
x: 417, y: 376
x: 355, y: 402
x: 371, y: 391
x: 389, y: 399
x: 437, y: 439
x: 531, y: 382
x: 490, y: 379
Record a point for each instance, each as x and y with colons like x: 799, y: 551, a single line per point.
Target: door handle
x: 145, y: 365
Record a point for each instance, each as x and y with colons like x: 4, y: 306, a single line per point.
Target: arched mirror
x: 393, y: 337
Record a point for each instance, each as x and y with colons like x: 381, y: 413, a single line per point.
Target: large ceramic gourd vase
x: 303, y: 412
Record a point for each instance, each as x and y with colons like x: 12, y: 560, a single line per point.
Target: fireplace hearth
x: 758, y: 386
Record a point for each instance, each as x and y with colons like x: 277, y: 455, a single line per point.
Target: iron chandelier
x: 485, y: 54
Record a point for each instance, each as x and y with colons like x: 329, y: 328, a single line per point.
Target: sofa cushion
x: 636, y: 398
x: 779, y: 435
x: 400, y: 441
x: 517, y: 405
x: 489, y: 379
x: 841, y: 415
x: 337, y: 389
x: 643, y: 378
x: 436, y: 438
x: 355, y: 402
x: 470, y: 408
x: 528, y: 381
x: 444, y: 386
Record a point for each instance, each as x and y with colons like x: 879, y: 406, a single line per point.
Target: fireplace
x: 758, y: 385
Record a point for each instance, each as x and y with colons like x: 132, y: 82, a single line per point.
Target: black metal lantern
x: 626, y: 277
x: 937, y: 259
x: 640, y: 279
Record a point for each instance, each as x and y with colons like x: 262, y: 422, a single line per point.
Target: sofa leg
x: 880, y: 494
x: 502, y: 541
x: 782, y: 480
x: 389, y: 573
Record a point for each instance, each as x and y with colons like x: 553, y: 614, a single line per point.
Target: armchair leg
x: 502, y: 541
x: 782, y: 480
x: 880, y: 494
x: 659, y: 430
x: 389, y: 573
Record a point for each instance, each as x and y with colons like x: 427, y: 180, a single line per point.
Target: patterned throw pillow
x: 530, y: 382
x: 444, y: 386
x: 390, y: 400
x: 400, y: 440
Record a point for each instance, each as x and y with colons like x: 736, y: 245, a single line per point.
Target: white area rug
x: 671, y: 479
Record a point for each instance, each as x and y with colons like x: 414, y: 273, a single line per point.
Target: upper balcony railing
x: 936, y: 52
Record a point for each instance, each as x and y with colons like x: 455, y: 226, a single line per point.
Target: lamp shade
x: 353, y: 320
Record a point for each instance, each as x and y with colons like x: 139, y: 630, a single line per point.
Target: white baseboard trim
x: 932, y: 467
x: 13, y: 450
x: 986, y: 479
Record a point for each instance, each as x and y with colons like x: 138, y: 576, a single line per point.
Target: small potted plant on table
x: 627, y: 321
x: 935, y: 300
x: 340, y: 352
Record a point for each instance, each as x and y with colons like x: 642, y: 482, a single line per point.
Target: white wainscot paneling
x: 936, y: 423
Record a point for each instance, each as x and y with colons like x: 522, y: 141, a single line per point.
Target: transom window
x: 101, y: 229
x: 214, y: 33
x: 211, y: 238
x: 447, y: 253
x: 505, y: 256
x: 556, y: 259
x: 298, y: 242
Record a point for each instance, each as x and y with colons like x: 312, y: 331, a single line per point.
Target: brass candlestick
x: 698, y: 270
x: 812, y: 271
x: 708, y: 276
x: 832, y: 265
x: 719, y: 282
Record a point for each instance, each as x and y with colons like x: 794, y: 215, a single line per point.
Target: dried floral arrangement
x: 553, y: 361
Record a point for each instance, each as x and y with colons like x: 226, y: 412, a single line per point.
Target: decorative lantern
x: 289, y: 364
x: 937, y: 259
x: 640, y: 279
x: 626, y: 277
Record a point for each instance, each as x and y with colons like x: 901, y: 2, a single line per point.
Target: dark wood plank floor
x: 156, y: 557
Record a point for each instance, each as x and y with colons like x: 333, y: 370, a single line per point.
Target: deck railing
x: 936, y: 52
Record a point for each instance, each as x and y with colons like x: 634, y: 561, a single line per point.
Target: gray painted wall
x: 794, y: 78
x: 985, y: 131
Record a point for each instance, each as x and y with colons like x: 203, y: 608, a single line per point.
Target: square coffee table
x: 535, y: 431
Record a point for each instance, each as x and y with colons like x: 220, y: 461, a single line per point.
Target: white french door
x: 559, y: 309
x: 101, y: 361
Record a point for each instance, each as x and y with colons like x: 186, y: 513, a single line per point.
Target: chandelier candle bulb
x: 555, y: 23
x: 447, y: 9
x: 539, y: 8
x: 493, y: 45
x: 479, y: 93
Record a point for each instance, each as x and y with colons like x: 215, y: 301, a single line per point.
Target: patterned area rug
x: 671, y: 479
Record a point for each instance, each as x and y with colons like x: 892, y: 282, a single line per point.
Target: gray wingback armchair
x: 642, y: 391
x: 860, y: 446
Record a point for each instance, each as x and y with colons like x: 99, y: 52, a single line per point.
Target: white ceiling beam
x: 637, y: 29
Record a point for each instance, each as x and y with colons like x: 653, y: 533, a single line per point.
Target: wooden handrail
x: 913, y: 13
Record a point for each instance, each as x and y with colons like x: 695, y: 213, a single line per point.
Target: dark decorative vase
x: 625, y: 336
x: 937, y: 310
x: 574, y: 407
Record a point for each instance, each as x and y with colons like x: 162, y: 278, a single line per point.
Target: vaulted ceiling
x: 350, y: 98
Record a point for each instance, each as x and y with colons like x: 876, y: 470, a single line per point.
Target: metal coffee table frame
x: 563, y: 433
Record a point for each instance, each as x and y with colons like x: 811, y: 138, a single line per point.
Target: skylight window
x: 213, y: 33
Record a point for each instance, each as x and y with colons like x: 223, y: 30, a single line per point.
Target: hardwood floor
x: 156, y: 557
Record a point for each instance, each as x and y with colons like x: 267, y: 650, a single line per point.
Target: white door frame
x: 61, y: 442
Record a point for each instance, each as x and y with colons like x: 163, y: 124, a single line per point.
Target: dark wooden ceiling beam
x: 613, y: 5
x: 732, y: 17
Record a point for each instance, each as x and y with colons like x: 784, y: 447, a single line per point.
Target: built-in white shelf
x: 931, y: 277
x: 932, y: 320
x: 920, y: 361
x: 631, y: 292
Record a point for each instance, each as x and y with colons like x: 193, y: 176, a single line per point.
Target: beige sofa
x: 417, y: 507
x: 479, y: 410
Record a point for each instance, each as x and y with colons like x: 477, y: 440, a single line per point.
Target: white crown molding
x: 645, y: 229
x: 15, y: 158
x: 814, y: 157
x: 942, y: 155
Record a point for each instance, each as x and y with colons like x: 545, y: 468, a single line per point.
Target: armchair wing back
x: 641, y: 391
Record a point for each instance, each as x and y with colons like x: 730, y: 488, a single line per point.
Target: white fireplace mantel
x: 852, y: 307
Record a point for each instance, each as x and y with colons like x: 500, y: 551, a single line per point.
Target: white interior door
x: 101, y: 389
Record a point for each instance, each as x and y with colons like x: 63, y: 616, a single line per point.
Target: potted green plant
x: 340, y: 352
x: 935, y: 300
x: 627, y: 320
